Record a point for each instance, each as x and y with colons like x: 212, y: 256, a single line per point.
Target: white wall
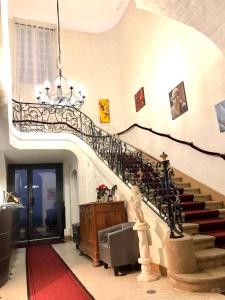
x: 93, y: 60
x: 159, y: 53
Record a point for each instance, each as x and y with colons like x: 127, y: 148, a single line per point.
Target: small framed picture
x: 104, y: 110
x: 220, y: 113
x: 139, y: 99
x: 178, y: 101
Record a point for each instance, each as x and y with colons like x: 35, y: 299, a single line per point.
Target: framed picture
x: 139, y: 99
x: 220, y: 113
x: 104, y: 110
x: 178, y: 101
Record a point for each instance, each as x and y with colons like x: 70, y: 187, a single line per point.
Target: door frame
x: 59, y: 195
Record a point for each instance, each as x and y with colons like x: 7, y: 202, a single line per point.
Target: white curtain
x: 34, y: 59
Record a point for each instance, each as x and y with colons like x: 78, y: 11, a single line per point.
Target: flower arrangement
x: 101, y: 190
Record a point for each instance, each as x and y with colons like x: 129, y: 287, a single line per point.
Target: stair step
x: 186, y: 198
x: 200, y: 214
x: 177, y: 179
x: 210, y: 225
x: 183, y: 184
x: 213, y: 204
x: 219, y: 237
x: 192, y: 205
x: 188, y: 190
x: 202, y: 197
x: 210, y: 258
x: 203, y: 241
x: 190, y: 228
x: 208, y: 280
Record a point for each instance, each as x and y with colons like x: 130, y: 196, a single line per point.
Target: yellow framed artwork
x: 104, y: 110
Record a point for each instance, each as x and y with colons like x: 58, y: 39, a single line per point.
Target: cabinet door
x: 87, y: 228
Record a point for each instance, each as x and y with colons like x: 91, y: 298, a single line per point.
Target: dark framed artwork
x: 178, y: 101
x: 139, y: 99
x: 220, y: 113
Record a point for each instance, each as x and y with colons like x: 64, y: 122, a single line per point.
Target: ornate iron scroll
x: 123, y: 159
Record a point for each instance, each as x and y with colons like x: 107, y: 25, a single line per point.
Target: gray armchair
x: 118, y: 246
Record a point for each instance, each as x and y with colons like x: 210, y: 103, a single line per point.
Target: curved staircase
x: 203, y: 219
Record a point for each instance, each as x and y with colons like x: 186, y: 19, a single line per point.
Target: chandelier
x: 65, y: 92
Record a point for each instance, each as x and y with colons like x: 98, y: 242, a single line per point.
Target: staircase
x: 204, y: 220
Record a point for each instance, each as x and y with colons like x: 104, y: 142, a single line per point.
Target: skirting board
x: 68, y: 238
x: 159, y: 269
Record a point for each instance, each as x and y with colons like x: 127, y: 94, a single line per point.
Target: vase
x: 103, y: 198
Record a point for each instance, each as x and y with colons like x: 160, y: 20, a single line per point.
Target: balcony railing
x: 153, y: 179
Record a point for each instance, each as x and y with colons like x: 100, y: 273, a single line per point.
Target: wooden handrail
x: 190, y: 144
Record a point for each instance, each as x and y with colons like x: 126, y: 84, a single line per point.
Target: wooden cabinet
x: 93, y: 217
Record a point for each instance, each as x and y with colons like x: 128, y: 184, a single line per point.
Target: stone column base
x: 146, y: 273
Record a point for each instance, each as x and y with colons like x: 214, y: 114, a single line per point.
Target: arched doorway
x: 74, y: 204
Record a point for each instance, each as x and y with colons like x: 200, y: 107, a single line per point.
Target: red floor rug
x: 49, y: 278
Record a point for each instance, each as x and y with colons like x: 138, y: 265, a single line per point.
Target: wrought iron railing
x: 153, y: 180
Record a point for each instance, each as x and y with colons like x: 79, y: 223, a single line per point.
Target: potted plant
x: 102, y: 191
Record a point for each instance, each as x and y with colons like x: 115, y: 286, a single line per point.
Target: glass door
x: 20, y: 183
x: 40, y: 189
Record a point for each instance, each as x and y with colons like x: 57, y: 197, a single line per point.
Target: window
x: 34, y: 57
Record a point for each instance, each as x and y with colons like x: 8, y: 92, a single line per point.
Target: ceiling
x: 207, y: 16
x: 80, y: 15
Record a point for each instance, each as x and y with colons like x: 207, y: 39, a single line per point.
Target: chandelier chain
x: 59, y: 62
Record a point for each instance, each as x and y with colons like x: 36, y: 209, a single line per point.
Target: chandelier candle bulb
x: 70, y: 84
x: 47, y: 85
x: 58, y: 82
x: 38, y: 90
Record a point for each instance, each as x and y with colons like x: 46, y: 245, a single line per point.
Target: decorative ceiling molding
x: 206, y: 16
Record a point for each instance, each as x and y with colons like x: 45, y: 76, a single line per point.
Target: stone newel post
x: 142, y: 230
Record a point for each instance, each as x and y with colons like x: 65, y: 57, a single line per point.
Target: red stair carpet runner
x: 49, y: 278
x: 208, y: 219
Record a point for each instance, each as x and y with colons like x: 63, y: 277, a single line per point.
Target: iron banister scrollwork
x: 123, y: 159
x: 169, y: 195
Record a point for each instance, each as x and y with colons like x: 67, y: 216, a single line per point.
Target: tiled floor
x: 16, y: 286
x: 101, y: 283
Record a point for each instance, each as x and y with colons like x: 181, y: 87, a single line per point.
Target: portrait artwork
x: 104, y: 110
x: 178, y: 101
x: 220, y: 113
x: 139, y: 99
